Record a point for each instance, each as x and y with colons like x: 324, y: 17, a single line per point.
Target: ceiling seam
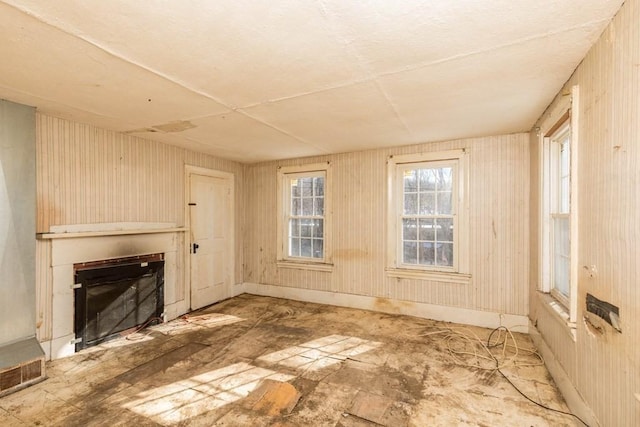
x: 328, y: 88
x: 207, y: 148
x: 490, y: 49
x: 425, y: 64
x: 163, y: 75
x: 321, y: 149
x: 363, y: 64
x: 21, y: 92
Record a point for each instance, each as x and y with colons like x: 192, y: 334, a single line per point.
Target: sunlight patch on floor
x: 188, y: 322
x: 320, y: 353
x: 199, y: 394
x: 204, y: 392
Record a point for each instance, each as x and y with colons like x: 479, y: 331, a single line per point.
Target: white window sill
x: 436, y: 276
x: 558, y: 312
x: 302, y: 265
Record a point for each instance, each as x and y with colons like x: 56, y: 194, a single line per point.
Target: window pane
x: 427, y: 253
x: 294, y: 227
x: 561, y: 179
x: 317, y: 248
x: 444, y: 179
x: 305, y: 248
x: 444, y: 252
x: 306, y: 185
x: 561, y: 236
x: 564, y: 195
x: 561, y: 255
x: 427, y: 203
x: 410, y: 253
x: 318, y: 207
x: 318, y: 228
x: 307, y: 206
x: 564, y: 157
x: 427, y: 179
x: 306, y: 226
x: 305, y: 236
x: 409, y: 229
x: 560, y: 269
x: 295, y: 188
x: 561, y: 275
x: 294, y: 247
x: 411, y: 204
x: 444, y: 230
x: 410, y: 181
x: 296, y: 206
x: 444, y: 203
x: 318, y: 184
x: 426, y: 231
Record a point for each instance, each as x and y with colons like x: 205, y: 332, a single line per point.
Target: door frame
x: 231, y: 246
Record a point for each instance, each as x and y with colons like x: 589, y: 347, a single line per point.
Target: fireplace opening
x: 114, y: 295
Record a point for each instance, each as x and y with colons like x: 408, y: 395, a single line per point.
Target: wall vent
x: 606, y: 311
x: 21, y: 365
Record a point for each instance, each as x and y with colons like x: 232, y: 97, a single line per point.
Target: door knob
x: 195, y: 247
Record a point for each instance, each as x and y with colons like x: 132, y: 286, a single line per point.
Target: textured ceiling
x: 254, y: 80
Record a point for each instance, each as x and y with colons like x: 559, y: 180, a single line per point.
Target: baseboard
x: 465, y: 316
x: 237, y: 289
x: 572, y: 397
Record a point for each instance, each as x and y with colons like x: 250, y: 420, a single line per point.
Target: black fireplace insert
x: 115, y: 295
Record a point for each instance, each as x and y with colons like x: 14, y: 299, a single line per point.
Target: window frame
x: 567, y: 116
x: 396, y: 165
x: 284, y: 176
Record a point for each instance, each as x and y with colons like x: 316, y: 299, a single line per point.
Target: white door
x: 211, y: 248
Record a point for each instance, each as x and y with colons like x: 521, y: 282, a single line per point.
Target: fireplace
x: 64, y: 251
x: 115, y: 295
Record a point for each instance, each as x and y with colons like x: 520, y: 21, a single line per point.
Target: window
x: 559, y: 203
x: 427, y: 216
x: 304, y: 218
x: 560, y: 180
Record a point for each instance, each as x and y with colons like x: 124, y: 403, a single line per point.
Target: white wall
x: 499, y: 209
x: 604, y: 368
x: 17, y: 222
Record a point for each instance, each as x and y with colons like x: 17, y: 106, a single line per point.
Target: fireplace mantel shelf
x: 108, y: 233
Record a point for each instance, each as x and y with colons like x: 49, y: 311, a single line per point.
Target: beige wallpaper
x: 603, y: 367
x: 499, y: 209
x: 88, y: 175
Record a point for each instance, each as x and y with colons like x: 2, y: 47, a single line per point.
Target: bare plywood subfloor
x: 256, y: 361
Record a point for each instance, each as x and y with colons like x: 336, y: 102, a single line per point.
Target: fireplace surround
x: 58, y: 252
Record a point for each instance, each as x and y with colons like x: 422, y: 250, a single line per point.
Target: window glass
x: 306, y: 216
x: 561, y: 256
x: 427, y: 237
x: 559, y: 215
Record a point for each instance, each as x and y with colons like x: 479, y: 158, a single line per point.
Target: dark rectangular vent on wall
x: 606, y: 311
x: 112, y: 296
